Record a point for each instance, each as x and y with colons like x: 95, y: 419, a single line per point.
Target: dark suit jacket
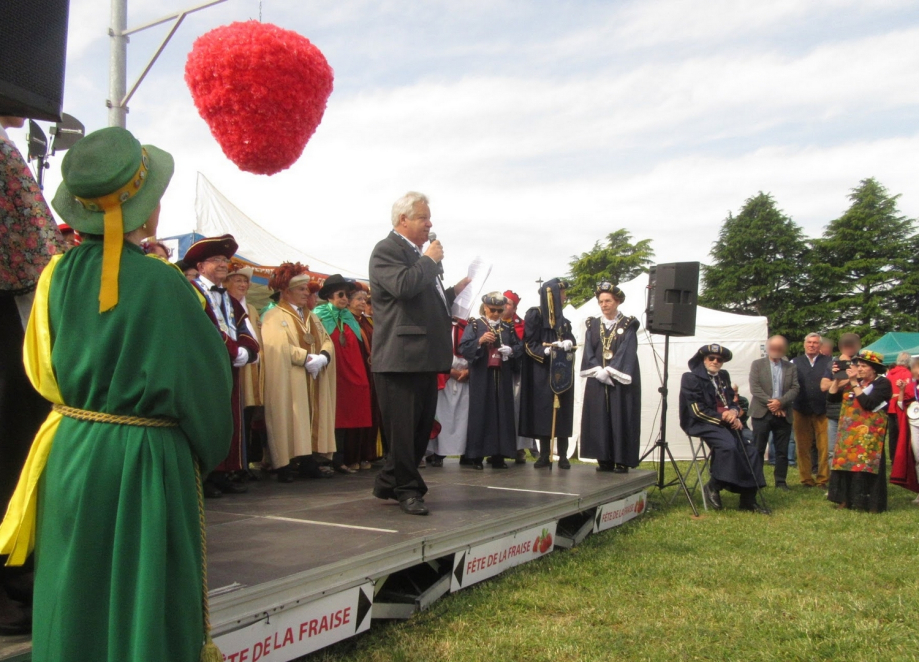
x: 411, y: 324
x: 761, y: 387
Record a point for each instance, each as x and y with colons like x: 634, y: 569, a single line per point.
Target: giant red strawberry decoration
x: 262, y: 91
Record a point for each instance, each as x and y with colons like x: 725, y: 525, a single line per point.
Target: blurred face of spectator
x: 191, y: 274
x: 12, y: 122
x: 312, y: 300
x: 358, y: 303
x: 298, y: 295
x: 160, y: 251
x: 368, y: 308
x: 914, y: 368
x: 736, y: 392
x: 510, y: 309
x: 215, y: 269
x: 339, y: 299
x: 826, y: 347
x: 70, y: 238
x: 776, y: 348
x: 237, y: 286
x: 850, y: 348
x: 812, y: 346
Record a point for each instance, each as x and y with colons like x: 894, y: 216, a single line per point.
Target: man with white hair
x: 411, y: 345
x: 900, y: 371
x: 810, y: 422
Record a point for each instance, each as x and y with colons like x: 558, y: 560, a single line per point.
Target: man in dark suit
x: 774, y: 387
x: 411, y: 345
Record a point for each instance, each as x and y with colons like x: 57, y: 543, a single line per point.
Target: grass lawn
x: 807, y: 583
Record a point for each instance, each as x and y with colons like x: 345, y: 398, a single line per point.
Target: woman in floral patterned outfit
x: 858, y: 478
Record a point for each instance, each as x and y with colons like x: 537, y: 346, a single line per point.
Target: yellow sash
x: 17, y: 532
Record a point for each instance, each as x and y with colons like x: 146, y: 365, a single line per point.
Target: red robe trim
x: 352, y: 397
x: 903, y: 470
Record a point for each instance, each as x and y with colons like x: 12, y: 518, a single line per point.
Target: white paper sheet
x: 465, y: 302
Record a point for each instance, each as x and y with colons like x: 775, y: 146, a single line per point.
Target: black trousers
x: 408, y: 402
x: 780, y: 428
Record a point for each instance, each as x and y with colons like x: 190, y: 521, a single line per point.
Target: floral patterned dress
x: 859, y: 466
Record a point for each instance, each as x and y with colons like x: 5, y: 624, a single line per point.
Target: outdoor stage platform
x: 296, y: 567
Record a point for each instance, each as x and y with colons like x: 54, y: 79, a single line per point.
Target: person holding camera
x: 849, y: 346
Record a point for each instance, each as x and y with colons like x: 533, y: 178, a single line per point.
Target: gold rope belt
x: 100, y: 417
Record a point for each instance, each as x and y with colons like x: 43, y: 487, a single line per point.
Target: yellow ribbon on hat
x: 114, y: 231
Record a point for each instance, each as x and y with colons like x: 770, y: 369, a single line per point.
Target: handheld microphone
x: 432, y: 236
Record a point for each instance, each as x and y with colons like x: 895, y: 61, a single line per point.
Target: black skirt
x: 860, y: 490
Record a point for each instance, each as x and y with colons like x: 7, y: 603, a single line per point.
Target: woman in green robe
x: 141, y: 406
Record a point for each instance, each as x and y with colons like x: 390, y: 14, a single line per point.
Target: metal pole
x: 118, y: 60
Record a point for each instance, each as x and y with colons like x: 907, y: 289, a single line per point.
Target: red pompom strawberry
x: 546, y: 543
x: 262, y: 91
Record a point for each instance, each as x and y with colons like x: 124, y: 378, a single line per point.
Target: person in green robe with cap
x: 110, y: 496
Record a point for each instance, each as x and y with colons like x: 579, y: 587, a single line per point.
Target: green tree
x: 757, y: 265
x: 865, y: 264
x: 616, y: 259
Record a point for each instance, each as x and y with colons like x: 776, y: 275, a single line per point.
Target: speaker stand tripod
x: 660, y: 446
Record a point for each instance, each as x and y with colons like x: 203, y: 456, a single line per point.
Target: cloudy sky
x: 538, y: 127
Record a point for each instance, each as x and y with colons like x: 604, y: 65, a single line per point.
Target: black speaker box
x: 673, y: 293
x: 33, y: 47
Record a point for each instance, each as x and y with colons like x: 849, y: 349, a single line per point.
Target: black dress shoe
x: 384, y: 494
x: 312, y: 470
x: 285, y: 475
x: 436, y: 461
x: 542, y: 463
x: 413, y: 506
x: 603, y: 465
x: 227, y: 486
x: 753, y: 507
x: 620, y: 469
x: 211, y: 491
x: 15, y: 617
x: 478, y: 466
x: 465, y: 461
x: 521, y: 457
x: 500, y: 464
x: 782, y: 486
x: 563, y: 463
x: 712, y: 496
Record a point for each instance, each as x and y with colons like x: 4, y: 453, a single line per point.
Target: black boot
x: 713, y: 495
x: 748, y: 502
x: 563, y: 462
x: 545, y: 447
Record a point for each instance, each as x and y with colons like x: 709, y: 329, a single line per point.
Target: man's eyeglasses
x: 218, y: 260
x: 715, y: 359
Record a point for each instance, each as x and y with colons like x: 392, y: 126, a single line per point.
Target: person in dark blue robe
x: 542, y: 325
x: 491, y: 347
x: 611, y: 417
x: 708, y: 411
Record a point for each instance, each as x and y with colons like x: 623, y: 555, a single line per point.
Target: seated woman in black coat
x: 491, y: 346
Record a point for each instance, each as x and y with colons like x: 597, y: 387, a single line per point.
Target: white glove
x: 242, y: 358
x: 505, y: 351
x: 564, y: 344
x: 315, y: 363
x: 604, y: 378
x: 548, y: 350
x: 616, y: 376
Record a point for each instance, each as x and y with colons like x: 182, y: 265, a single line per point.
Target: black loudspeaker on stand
x: 673, y: 291
x: 33, y: 48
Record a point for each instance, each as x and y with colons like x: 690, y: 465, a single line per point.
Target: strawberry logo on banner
x: 262, y: 91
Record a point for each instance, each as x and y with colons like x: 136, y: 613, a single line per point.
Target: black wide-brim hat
x: 204, y: 249
x: 334, y: 283
x: 874, y: 359
x: 705, y: 350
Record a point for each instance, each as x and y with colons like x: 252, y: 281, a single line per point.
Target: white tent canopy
x: 217, y: 216
x: 744, y: 335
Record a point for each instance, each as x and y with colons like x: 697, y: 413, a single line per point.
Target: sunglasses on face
x: 340, y: 295
x: 714, y: 359
x: 495, y: 310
